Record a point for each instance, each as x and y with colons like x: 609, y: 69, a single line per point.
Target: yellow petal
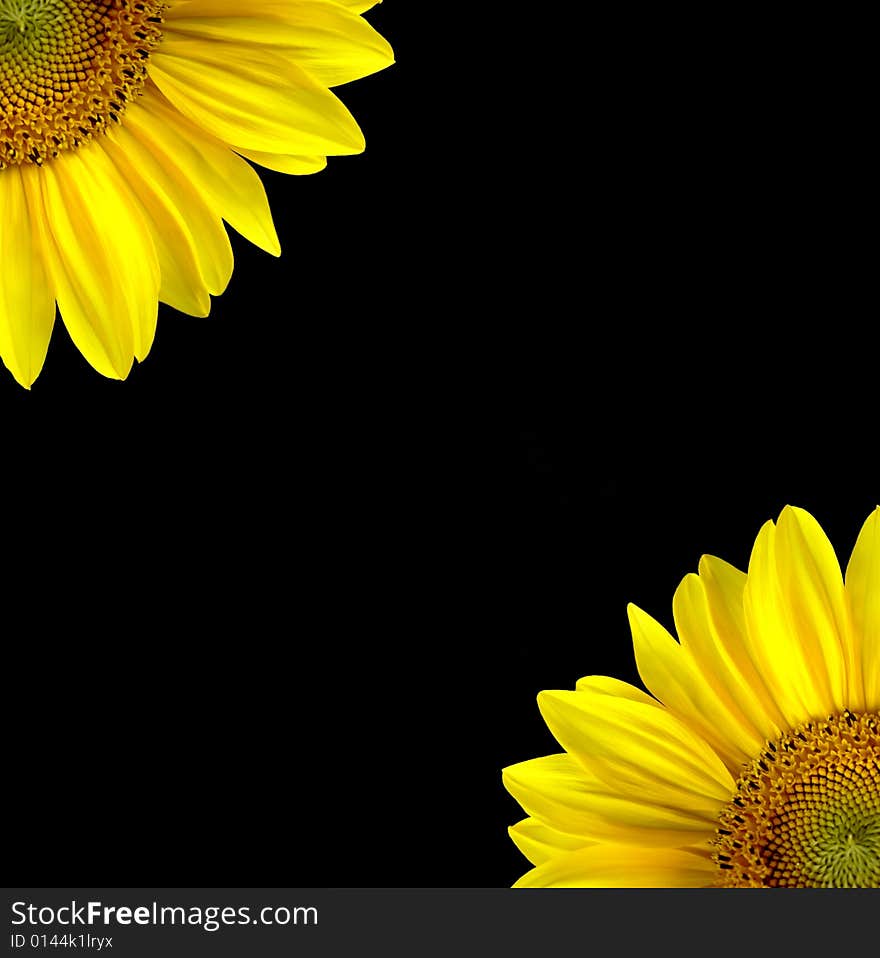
x: 711, y: 620
x: 620, y: 866
x: 815, y: 601
x: 101, y: 260
x: 791, y: 577
x: 183, y: 285
x: 27, y: 303
x: 253, y: 99
x: 358, y: 6
x: 183, y: 8
x: 863, y: 592
x: 639, y: 750
x: 228, y: 185
x: 332, y: 44
x: 538, y: 842
x: 773, y: 647
x: 671, y: 673
x: 296, y: 165
x: 558, y: 791
x: 606, y: 685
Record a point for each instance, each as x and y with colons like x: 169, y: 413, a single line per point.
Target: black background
x: 277, y: 607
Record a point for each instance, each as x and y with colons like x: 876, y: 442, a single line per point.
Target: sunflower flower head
x: 129, y: 130
x: 755, y: 760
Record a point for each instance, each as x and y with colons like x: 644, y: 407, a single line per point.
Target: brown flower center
x: 68, y: 68
x: 807, y: 812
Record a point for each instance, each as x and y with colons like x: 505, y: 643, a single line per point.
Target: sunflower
x: 127, y: 133
x: 756, y: 763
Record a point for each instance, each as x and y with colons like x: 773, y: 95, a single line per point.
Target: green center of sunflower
x: 806, y: 813
x: 68, y: 68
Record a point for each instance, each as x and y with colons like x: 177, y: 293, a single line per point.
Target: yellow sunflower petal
x: 559, y: 792
x: 102, y: 261
x: 334, y: 45
x: 813, y: 593
x: 251, y: 98
x: 182, y: 285
x: 227, y: 184
x: 621, y: 866
x: 296, y: 165
x: 606, y: 685
x: 790, y: 577
x: 671, y: 673
x: 863, y: 592
x: 718, y: 670
x: 539, y: 843
x: 772, y: 646
x: 358, y: 6
x: 710, y: 619
x: 27, y: 305
x: 638, y: 750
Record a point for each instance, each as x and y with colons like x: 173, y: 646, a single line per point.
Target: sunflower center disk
x: 67, y: 68
x: 806, y: 813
